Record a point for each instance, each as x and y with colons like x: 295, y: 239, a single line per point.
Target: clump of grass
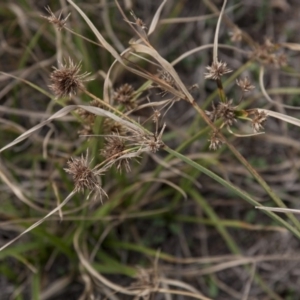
x: 122, y: 124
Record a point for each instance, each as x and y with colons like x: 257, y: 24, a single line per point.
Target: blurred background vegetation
x: 157, y: 221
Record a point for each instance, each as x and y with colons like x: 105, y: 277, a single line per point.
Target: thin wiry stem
x: 215, y: 49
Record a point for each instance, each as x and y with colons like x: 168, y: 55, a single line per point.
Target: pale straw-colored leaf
x: 99, y: 36
x: 278, y: 209
x: 207, y: 46
x: 282, y: 117
x: 167, y: 67
x: 291, y: 46
x: 107, y: 81
x: 66, y: 110
x: 156, y: 18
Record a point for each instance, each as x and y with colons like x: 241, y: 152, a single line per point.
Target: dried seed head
x: 166, y: 76
x: 66, y: 80
x: 58, y: 22
x: 84, y: 177
x: 258, y: 120
x: 245, y: 84
x: 268, y: 54
x: 225, y: 111
x: 236, y: 35
x: 124, y: 95
x: 112, y: 127
x: 113, y: 150
x: 153, y: 142
x: 215, y: 141
x: 216, y: 70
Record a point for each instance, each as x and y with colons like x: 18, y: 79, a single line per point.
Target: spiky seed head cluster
x: 66, y: 80
x: 166, y: 76
x: 258, y: 120
x: 112, y: 127
x: 269, y: 54
x: 245, y: 84
x: 84, y: 177
x: 113, y: 150
x: 236, y: 35
x: 215, y: 141
x: 58, y: 22
x: 124, y: 95
x: 216, y: 70
x: 225, y: 111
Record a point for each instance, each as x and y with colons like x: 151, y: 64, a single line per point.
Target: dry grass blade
x: 167, y: 67
x: 291, y: 46
x: 156, y: 17
x: 282, y: 117
x: 278, y: 209
x: 66, y: 110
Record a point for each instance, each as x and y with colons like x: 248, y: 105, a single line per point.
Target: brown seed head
x: 58, y: 22
x: 215, y: 141
x: 236, y: 35
x: 258, y: 120
x: 113, y: 150
x: 124, y: 95
x: 245, y: 84
x: 112, y: 127
x: 66, y: 80
x: 224, y: 111
x: 216, y: 70
x: 84, y: 177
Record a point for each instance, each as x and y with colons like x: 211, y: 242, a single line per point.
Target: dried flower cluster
x: 215, y: 141
x: 268, y: 54
x: 225, y: 111
x: 245, y: 84
x: 84, y: 177
x: 258, y: 120
x: 114, y: 152
x: 124, y: 95
x: 166, y: 77
x: 58, y: 22
x: 66, y: 80
x: 216, y: 70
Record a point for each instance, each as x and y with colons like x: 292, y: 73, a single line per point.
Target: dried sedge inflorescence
x: 58, y: 22
x: 216, y: 70
x: 236, y: 35
x: 84, y: 177
x: 112, y: 127
x: 215, y: 141
x: 113, y: 151
x: 226, y: 111
x: 124, y: 95
x: 258, y: 120
x: 67, y: 80
x: 245, y: 84
x: 166, y: 77
x: 151, y: 143
x: 268, y: 54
